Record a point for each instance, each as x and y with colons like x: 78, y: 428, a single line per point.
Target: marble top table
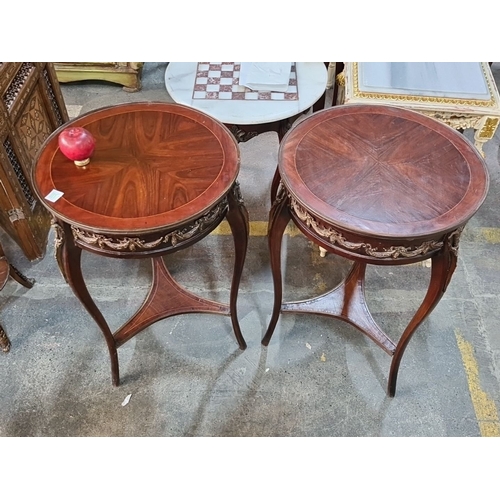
x: 180, y: 80
x: 461, y: 94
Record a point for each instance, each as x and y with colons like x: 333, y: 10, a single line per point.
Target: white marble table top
x: 441, y: 79
x: 464, y: 87
x: 463, y: 95
x: 311, y: 83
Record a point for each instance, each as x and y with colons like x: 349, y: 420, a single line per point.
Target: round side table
x: 376, y: 185
x: 162, y: 177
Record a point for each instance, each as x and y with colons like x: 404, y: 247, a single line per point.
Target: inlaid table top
x: 388, y: 172
x: 155, y: 164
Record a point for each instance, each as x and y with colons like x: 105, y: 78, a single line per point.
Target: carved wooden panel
x: 34, y: 125
x: 31, y: 108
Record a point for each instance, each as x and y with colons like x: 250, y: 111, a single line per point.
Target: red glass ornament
x: 77, y: 144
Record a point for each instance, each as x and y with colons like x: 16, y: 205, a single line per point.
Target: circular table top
x: 380, y: 170
x: 154, y: 165
x: 311, y: 82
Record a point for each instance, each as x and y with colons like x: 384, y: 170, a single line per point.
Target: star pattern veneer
x: 376, y: 185
x: 162, y: 177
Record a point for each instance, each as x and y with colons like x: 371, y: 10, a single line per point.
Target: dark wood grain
x: 378, y: 185
x: 382, y: 170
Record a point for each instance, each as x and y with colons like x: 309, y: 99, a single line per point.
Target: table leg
x: 347, y: 302
x: 6, y: 270
x: 275, y: 185
x: 485, y: 131
x: 166, y: 298
x: 237, y: 217
x: 20, y: 277
x: 240, y: 134
x: 334, y: 69
x: 243, y: 133
x: 331, y: 74
x: 28, y: 283
x: 4, y: 341
x: 279, y: 216
x: 284, y: 126
x: 320, y: 103
x: 69, y: 259
x: 443, y: 266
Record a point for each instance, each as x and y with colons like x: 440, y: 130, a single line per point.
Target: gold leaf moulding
x: 336, y: 238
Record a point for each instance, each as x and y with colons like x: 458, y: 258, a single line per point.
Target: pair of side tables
x: 375, y: 184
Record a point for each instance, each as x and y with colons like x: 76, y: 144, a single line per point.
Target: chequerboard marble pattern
x: 220, y: 80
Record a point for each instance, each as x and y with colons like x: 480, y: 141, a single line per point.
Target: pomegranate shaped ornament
x: 77, y: 144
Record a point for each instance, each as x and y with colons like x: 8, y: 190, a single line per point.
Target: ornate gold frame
x: 491, y: 103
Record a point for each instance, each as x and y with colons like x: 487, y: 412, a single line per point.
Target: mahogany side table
x: 162, y: 177
x: 377, y: 185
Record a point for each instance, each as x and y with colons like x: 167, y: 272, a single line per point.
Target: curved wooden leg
x: 6, y: 270
x: 275, y: 185
x: 240, y: 134
x: 283, y: 127
x: 168, y: 298
x: 443, y: 266
x: 237, y: 217
x: 339, y: 67
x: 59, y: 245
x: 20, y: 277
x: 4, y: 341
x: 69, y: 260
x: 279, y: 216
